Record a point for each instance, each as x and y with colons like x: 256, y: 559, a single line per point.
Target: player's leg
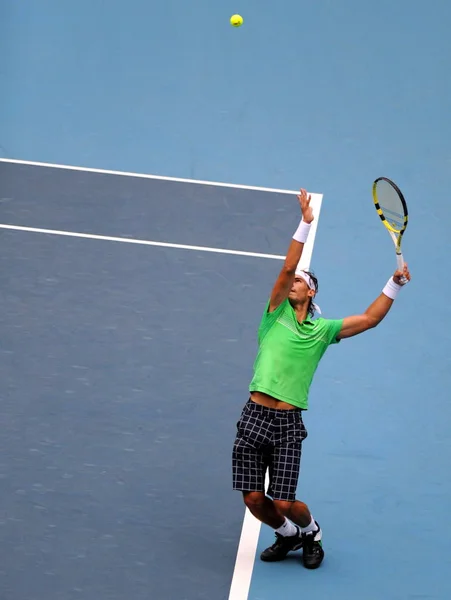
x: 263, y: 509
x: 275, y: 513
x: 282, y: 492
x: 296, y: 511
x: 310, y: 531
x: 251, y: 456
x: 248, y: 459
x: 284, y: 475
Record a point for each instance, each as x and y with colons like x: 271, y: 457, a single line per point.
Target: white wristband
x: 391, y: 288
x: 301, y: 233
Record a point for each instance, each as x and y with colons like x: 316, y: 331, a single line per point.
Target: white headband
x: 309, y: 281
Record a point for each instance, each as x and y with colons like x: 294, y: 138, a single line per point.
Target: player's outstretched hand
x: 304, y: 201
x: 402, y: 277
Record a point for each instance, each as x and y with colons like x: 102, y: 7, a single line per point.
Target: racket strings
x: 391, y: 206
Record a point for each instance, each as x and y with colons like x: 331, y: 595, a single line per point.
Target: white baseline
x: 143, y: 176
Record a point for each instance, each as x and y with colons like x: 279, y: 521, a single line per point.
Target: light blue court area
x: 127, y: 347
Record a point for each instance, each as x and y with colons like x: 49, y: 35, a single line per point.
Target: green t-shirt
x: 289, y: 353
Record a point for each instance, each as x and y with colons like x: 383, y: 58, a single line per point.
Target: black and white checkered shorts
x: 268, y: 439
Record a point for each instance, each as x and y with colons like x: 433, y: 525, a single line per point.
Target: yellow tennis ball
x: 236, y: 20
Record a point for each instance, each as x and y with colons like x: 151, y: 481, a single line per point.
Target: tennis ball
x: 236, y: 20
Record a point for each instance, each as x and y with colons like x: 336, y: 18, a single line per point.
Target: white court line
x: 109, y: 238
x: 308, y: 248
x: 144, y: 176
x: 247, y: 547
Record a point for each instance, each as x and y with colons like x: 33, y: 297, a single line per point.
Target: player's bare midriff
x: 270, y: 402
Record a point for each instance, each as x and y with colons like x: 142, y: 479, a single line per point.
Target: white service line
x: 144, y: 176
x: 308, y: 249
x: 123, y: 240
x: 247, y: 547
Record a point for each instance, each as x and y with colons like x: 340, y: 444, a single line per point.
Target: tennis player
x: 270, y: 430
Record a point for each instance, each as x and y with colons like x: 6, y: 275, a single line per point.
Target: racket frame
x: 395, y: 235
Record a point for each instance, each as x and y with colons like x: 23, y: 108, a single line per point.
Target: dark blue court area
x: 123, y: 371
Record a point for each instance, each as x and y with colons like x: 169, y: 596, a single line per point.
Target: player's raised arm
x: 286, y: 276
x: 376, y: 312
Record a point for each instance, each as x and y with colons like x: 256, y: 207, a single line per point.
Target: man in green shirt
x: 270, y: 430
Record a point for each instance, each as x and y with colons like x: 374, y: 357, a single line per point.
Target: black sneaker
x: 281, y: 547
x: 313, y: 552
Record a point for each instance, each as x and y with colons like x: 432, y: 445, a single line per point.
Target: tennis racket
x: 391, y: 207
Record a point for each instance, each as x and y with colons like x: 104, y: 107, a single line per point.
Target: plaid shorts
x: 268, y: 439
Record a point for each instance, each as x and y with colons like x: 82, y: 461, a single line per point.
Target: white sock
x: 288, y: 528
x: 310, y: 528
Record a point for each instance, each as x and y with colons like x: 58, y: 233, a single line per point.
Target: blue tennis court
x: 150, y: 157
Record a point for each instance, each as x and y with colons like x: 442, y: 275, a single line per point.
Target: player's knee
x: 284, y: 507
x: 254, y: 500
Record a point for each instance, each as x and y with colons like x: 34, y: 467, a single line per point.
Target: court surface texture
x: 150, y: 156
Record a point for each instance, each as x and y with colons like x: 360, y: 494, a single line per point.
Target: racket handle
x: 400, y: 264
